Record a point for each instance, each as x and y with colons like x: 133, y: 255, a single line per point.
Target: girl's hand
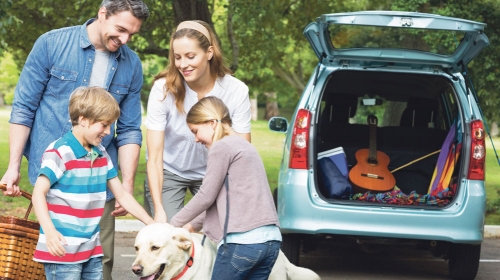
x: 55, y: 241
x: 189, y: 227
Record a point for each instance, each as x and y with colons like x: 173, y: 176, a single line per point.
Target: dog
x: 166, y: 252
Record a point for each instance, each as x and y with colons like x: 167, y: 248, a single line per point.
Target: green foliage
x: 4, y: 20
x: 9, y: 74
x: 151, y: 65
x: 484, y: 70
x: 274, y: 55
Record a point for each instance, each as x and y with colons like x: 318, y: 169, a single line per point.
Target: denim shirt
x: 61, y: 60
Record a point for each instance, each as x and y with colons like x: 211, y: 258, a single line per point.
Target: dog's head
x: 162, y: 251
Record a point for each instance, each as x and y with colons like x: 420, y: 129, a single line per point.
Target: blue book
x: 337, y: 155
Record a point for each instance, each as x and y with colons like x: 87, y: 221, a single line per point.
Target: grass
x: 268, y: 144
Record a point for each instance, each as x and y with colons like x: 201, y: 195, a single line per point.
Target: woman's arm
x: 219, y: 160
x: 241, y: 113
x: 246, y: 136
x: 155, y: 140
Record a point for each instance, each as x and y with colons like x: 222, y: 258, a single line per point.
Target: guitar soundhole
x: 372, y: 161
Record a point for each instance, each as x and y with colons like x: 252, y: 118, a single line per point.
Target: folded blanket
x: 396, y: 196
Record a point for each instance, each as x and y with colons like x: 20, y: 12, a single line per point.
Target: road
x: 343, y: 261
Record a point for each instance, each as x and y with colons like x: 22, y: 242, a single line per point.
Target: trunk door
x: 408, y: 38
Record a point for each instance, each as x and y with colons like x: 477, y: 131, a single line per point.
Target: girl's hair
x: 208, y: 109
x: 175, y: 81
x: 93, y: 103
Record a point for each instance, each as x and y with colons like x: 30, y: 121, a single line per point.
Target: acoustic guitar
x: 370, y: 171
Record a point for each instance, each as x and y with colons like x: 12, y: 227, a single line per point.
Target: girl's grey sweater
x: 251, y: 203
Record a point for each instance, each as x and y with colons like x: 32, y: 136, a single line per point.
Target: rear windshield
x: 442, y: 42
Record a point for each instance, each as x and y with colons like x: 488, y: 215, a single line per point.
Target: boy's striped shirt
x: 76, y: 197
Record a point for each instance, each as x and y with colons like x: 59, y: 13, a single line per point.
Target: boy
x: 70, y: 191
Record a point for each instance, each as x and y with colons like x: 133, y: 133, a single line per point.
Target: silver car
x: 387, y: 145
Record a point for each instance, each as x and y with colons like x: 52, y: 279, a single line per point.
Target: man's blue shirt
x: 61, y: 60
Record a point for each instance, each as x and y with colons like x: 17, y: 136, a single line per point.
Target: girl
x: 195, y: 70
x: 235, y: 198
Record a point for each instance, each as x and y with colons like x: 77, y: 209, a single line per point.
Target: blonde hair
x: 208, y: 109
x: 93, y: 103
x: 175, y: 81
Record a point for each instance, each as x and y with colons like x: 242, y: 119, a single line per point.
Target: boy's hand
x: 55, y: 241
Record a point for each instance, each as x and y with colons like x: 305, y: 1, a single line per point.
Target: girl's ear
x: 213, y: 123
x: 210, y: 52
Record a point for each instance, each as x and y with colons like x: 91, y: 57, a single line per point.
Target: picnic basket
x: 18, y: 238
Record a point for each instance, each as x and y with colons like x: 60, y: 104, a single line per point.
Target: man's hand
x: 119, y: 210
x: 11, y: 179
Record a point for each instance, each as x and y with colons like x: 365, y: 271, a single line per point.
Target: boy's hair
x: 93, y: 103
x: 136, y: 7
x: 208, y: 109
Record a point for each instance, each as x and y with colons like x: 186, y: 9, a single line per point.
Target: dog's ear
x: 182, y: 238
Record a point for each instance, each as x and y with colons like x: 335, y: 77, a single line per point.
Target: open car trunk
x: 416, y: 113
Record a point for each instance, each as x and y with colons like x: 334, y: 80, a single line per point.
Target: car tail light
x: 300, y: 140
x: 477, y: 151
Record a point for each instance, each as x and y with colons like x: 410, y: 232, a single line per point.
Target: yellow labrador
x: 165, y: 252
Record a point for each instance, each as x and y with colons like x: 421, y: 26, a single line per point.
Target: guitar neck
x: 373, y: 143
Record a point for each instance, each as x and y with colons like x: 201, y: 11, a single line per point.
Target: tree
x: 484, y: 70
x: 9, y: 74
x: 262, y: 39
x: 5, y: 20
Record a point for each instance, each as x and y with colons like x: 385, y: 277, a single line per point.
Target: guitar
x: 370, y: 171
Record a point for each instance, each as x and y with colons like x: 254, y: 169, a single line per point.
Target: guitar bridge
x: 373, y: 176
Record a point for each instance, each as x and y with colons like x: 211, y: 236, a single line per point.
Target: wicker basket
x: 18, y: 238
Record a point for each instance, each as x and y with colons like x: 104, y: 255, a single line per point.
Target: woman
x: 240, y: 215
x: 174, y: 161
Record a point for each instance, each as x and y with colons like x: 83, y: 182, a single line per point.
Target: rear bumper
x: 302, y: 210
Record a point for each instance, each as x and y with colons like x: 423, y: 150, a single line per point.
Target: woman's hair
x: 93, y: 103
x: 208, y: 109
x: 136, y: 7
x: 175, y: 81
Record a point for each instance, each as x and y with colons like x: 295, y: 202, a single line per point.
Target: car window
x: 442, y: 42
x: 449, y: 107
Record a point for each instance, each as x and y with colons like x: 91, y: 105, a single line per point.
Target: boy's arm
x: 53, y: 237
x: 128, y: 201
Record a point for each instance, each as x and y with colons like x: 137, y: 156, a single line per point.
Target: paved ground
x: 343, y: 261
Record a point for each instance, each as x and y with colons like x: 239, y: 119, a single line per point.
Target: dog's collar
x: 189, y: 263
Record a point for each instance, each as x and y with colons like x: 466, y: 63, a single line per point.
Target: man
x: 93, y: 54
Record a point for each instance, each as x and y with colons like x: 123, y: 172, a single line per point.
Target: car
x: 386, y: 146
